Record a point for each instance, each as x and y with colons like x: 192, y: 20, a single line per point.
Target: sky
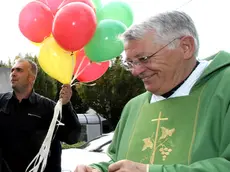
x: 211, y: 17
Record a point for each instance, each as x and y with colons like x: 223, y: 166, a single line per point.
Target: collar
x: 32, y: 97
x: 186, y: 87
x: 171, y: 92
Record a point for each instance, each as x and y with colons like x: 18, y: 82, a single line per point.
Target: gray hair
x: 168, y: 26
x: 33, y: 65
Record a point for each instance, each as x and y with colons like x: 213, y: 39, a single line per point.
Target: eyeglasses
x: 129, y: 65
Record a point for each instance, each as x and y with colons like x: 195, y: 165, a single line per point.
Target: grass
x: 76, y: 145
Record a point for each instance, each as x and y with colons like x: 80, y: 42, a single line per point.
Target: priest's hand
x: 65, y: 93
x: 127, y: 166
x: 85, y: 168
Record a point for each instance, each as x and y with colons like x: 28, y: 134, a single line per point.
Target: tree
x: 9, y: 63
x: 78, y: 104
x: 111, y: 92
x: 2, y: 64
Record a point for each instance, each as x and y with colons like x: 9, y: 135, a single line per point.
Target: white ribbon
x: 40, y: 160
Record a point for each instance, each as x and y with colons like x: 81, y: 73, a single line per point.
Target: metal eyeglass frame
x: 129, y: 65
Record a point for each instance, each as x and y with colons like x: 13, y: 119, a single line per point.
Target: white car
x: 92, y: 152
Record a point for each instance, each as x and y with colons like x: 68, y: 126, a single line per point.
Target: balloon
x: 87, y: 71
x: 55, y: 61
x: 39, y: 44
x: 105, y: 44
x: 52, y: 4
x: 97, y: 4
x: 36, y: 44
x: 116, y: 10
x: 65, y: 2
x: 74, y: 25
x: 35, y: 21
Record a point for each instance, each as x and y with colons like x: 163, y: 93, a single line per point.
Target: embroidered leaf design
x: 166, y: 132
x: 147, y: 144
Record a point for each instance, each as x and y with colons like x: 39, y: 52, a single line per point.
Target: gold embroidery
x: 195, y: 125
x: 155, y: 143
x: 148, y: 144
x: 144, y: 159
x: 166, y: 132
x: 165, y: 152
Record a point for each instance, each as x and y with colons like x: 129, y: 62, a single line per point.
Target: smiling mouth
x: 144, y: 79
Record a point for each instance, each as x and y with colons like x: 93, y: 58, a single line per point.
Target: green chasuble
x: 182, y: 134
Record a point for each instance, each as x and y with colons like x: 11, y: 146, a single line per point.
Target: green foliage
x: 78, y: 104
x: 8, y: 65
x: 77, y: 145
x: 111, y: 92
x: 2, y: 64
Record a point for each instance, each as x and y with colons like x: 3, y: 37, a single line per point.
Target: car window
x: 98, y: 143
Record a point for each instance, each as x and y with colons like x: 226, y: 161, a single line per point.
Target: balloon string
x: 77, y: 68
x: 73, y: 64
x: 79, y: 72
x: 40, y: 160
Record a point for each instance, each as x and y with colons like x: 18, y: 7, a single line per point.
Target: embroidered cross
x: 158, y: 120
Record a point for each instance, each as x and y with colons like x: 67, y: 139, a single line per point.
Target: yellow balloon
x: 36, y: 44
x: 56, y: 62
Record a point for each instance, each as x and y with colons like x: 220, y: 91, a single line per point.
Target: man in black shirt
x: 25, y: 117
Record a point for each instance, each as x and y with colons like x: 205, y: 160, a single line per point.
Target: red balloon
x: 44, y: 1
x: 88, y: 2
x: 87, y: 71
x: 52, y: 4
x: 35, y: 21
x: 74, y: 26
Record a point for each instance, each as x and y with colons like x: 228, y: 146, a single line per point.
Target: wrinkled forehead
x: 137, y: 48
x: 21, y: 64
x: 132, y: 49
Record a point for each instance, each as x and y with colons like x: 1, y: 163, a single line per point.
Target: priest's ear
x: 187, y: 44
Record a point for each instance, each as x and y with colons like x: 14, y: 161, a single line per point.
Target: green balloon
x: 116, y: 10
x: 97, y: 4
x: 105, y: 44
